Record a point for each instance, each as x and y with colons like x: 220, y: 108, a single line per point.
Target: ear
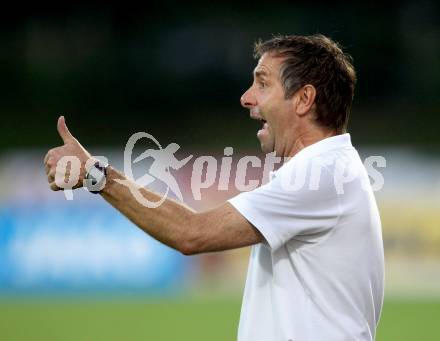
x: 305, y: 98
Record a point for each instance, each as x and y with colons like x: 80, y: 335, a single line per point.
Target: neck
x: 305, y: 139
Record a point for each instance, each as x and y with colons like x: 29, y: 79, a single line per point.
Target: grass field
x: 195, y: 319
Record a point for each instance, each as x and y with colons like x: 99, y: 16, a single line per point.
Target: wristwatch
x: 96, y: 177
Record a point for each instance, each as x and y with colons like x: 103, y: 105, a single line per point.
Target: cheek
x: 275, y: 114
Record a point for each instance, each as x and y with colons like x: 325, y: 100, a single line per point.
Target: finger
x: 53, y: 186
x: 47, y: 156
x: 51, y: 177
x: 61, y: 178
x: 64, y: 131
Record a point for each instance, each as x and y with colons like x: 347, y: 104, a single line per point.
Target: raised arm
x: 171, y: 223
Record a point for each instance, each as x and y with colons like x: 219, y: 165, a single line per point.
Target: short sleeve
x: 289, y: 205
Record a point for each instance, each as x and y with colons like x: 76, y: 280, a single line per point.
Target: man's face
x: 266, y: 102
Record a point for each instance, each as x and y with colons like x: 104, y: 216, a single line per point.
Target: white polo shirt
x: 319, y: 276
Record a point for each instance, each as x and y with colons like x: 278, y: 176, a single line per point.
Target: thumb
x: 64, y: 131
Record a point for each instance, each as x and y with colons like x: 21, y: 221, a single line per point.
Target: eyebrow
x: 260, y: 73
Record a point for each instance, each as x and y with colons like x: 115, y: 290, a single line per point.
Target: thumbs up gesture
x: 65, y: 165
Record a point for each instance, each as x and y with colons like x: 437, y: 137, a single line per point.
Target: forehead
x: 268, y: 65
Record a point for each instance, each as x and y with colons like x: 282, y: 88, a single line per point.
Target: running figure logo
x: 163, y: 160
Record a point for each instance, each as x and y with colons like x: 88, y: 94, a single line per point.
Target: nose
x: 247, y: 100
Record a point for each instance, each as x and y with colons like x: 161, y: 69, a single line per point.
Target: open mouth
x: 263, y: 123
x: 264, y: 127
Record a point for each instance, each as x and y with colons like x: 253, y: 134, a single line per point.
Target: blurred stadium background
x: 78, y: 270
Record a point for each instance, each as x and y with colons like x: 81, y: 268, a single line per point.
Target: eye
x: 262, y: 84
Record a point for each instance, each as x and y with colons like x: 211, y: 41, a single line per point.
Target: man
x: 316, y: 267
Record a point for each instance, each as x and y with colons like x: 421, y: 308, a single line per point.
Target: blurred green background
x: 177, y: 71
x: 215, y: 319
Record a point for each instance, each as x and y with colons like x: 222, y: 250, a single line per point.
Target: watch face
x: 96, y: 179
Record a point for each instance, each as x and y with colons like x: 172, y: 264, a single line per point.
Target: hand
x: 57, y: 173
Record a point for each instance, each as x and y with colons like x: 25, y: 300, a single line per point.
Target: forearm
x: 170, y: 223
x: 173, y: 224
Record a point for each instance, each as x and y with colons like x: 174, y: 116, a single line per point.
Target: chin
x: 266, y: 148
x: 267, y: 143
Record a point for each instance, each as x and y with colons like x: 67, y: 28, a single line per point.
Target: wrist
x: 111, y: 175
x: 96, y: 176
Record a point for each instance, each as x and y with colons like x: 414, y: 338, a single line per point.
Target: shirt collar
x: 329, y: 143
x: 324, y: 145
